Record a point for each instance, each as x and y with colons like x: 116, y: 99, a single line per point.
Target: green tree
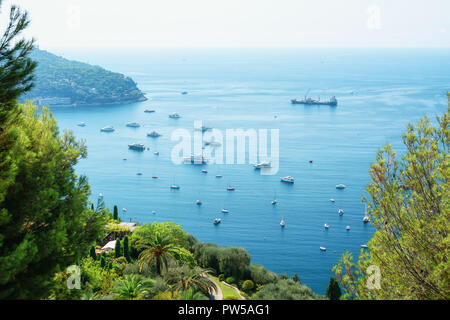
x: 296, y: 278
x: 126, y: 249
x: 285, y: 289
x: 132, y: 287
x: 115, y: 213
x: 333, y: 290
x: 248, y: 285
x: 102, y: 262
x: 185, y: 278
x: 92, y: 253
x: 160, y: 249
x: 118, y: 249
x: 410, y: 209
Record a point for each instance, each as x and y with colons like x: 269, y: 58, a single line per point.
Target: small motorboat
x: 81, y: 124
x: 184, y: 93
x: 174, y: 115
x: 100, y: 195
x: 219, y: 176
x: 139, y: 173
x: 154, y: 177
x: 133, y: 125
x: 364, y: 246
x: 310, y: 161
x: 124, y: 159
x: 323, y: 248
x: 198, y: 202
x: 341, y: 211
x: 149, y: 111
x: 156, y: 153
x: 107, y: 129
x: 174, y: 186
x: 229, y: 188
x: 225, y: 211
x: 326, y: 226
x: 340, y: 186
x: 263, y: 164
x: 204, y: 171
x: 287, y: 179
x: 332, y: 200
x: 366, y: 219
x: 217, y: 221
x: 153, y: 134
x: 136, y: 146
x: 153, y: 212
x: 347, y: 228
x: 124, y: 209
x: 274, y: 202
x: 282, y: 223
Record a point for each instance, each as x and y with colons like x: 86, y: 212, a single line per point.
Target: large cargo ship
x: 309, y: 101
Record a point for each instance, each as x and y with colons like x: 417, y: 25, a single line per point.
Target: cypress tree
x: 117, y: 250
x: 116, y: 213
x: 333, y: 290
x: 126, y: 249
x: 296, y: 278
x: 102, y: 262
x: 92, y: 253
x: 92, y: 207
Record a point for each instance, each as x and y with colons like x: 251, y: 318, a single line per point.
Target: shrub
x: 230, y: 298
x: 221, y: 277
x: 230, y: 280
x: 248, y: 285
x: 261, y: 275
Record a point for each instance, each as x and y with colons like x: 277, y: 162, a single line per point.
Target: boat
x: 81, y: 124
x: 139, y: 173
x: 213, y: 143
x: 156, y: 153
x: 347, y: 228
x: 219, y: 176
x: 153, y: 212
x: 204, y: 171
x: 225, y: 211
x: 282, y: 223
x: 263, y: 164
x: 195, y: 159
x: 184, y: 93
x: 230, y: 188
x: 153, y: 134
x: 340, y: 186
x: 100, y: 195
x: 217, y: 221
x: 326, y: 226
x: 107, y: 129
x: 136, y: 146
x: 154, y: 177
x: 287, y: 179
x: 174, y: 115
x: 366, y: 216
x: 323, y: 248
x: 133, y: 125
x: 332, y: 200
x: 274, y: 202
x: 310, y: 161
x: 124, y: 209
x: 149, y: 111
x: 341, y: 211
x: 174, y: 186
x: 198, y: 202
x: 203, y: 129
x: 308, y: 101
x: 364, y: 246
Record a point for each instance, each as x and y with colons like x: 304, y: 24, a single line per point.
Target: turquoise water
x: 379, y: 92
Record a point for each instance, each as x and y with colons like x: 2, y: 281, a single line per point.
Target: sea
x: 379, y: 91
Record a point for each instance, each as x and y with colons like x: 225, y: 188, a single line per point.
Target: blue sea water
x: 379, y: 92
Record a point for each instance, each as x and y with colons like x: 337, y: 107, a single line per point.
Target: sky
x: 236, y: 23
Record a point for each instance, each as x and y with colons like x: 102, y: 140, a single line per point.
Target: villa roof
x: 110, y: 245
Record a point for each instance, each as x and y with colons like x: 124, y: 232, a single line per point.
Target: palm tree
x: 192, y: 295
x: 185, y: 279
x: 131, y: 287
x: 160, y: 249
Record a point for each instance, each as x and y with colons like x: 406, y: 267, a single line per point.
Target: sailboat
x: 340, y: 211
x: 174, y: 186
x: 274, y: 201
x: 282, y: 222
x: 366, y: 216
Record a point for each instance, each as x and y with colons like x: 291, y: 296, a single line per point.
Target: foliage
x: 230, y: 298
x: 221, y: 277
x: 296, y: 278
x: 161, y: 248
x: 261, y: 275
x: 285, y: 289
x: 410, y: 209
x: 126, y: 249
x: 115, y: 213
x: 185, y: 278
x: 118, y: 249
x: 248, y: 285
x: 81, y: 83
x: 230, y: 280
x: 92, y: 253
x: 333, y: 290
x: 132, y: 287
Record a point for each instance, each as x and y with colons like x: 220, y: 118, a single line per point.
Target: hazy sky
x: 238, y: 23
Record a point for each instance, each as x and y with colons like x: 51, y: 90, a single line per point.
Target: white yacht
x: 366, y: 219
x: 326, y: 226
x: 341, y: 211
x: 153, y: 134
x: 124, y: 209
x: 323, y: 249
x: 195, y: 159
x: 263, y: 164
x: 156, y: 153
x: 347, y: 228
x: 366, y: 216
x: 133, y: 125
x: 217, y: 220
x: 225, y: 211
x: 174, y: 186
x: 219, y: 176
x: 364, y: 246
x: 81, y: 124
x: 174, y: 115
x: 287, y: 179
x: 153, y: 212
x: 332, y: 200
x: 198, y: 202
x: 107, y: 129
x: 136, y: 146
x: 282, y: 223
x: 230, y: 188
x: 274, y: 202
x: 340, y: 186
x: 204, y: 171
